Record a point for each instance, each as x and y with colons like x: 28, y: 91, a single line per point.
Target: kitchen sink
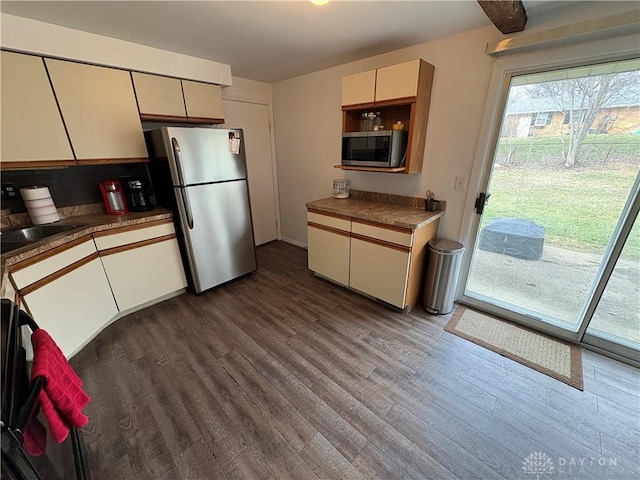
x: 15, y: 238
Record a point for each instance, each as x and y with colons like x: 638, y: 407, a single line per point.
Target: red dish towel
x: 62, y: 398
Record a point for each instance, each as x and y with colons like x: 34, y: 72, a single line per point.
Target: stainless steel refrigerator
x: 201, y: 174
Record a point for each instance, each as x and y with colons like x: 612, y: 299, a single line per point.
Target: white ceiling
x: 269, y: 40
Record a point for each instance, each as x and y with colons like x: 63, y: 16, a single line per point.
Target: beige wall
x: 248, y: 91
x: 308, y: 122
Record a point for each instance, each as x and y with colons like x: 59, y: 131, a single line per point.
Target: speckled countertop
x: 387, y: 209
x: 94, y: 222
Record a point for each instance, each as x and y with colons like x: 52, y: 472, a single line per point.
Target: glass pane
x: 617, y: 317
x: 565, y: 162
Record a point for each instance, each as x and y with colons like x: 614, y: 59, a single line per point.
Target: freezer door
x: 204, y: 155
x: 218, y: 235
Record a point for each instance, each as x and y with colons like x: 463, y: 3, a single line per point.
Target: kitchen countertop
x: 95, y: 222
x: 395, y: 210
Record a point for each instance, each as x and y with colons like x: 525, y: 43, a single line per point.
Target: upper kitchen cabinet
x: 159, y: 98
x: 359, y: 88
x: 100, y: 112
x: 171, y: 99
x: 402, y: 94
x: 400, y: 81
x: 32, y: 133
x: 203, y: 102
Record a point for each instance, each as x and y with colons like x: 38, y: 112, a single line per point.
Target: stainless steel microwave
x: 383, y: 148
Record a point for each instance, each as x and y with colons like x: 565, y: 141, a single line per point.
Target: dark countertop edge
x: 374, y: 217
x: 94, y: 223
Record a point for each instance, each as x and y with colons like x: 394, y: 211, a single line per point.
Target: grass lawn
x: 597, y: 151
x: 578, y: 208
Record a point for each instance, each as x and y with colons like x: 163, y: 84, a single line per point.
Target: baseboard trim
x: 294, y: 242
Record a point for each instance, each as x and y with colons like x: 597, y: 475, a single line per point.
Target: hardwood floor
x: 284, y: 375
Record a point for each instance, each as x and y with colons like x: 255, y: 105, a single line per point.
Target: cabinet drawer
x: 340, y: 223
x: 391, y: 235
x: 106, y: 240
x: 32, y: 273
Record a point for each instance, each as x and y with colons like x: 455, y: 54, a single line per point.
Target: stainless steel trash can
x: 441, y: 275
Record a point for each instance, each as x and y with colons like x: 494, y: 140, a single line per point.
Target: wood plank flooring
x: 284, y: 375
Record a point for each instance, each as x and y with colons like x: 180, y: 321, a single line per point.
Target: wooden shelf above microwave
x: 371, y: 169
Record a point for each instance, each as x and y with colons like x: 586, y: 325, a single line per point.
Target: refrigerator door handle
x: 187, y: 207
x: 176, y: 154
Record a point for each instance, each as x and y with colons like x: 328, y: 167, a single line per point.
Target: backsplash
x: 8, y: 219
x: 69, y: 187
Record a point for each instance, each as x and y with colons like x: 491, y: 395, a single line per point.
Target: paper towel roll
x: 39, y: 205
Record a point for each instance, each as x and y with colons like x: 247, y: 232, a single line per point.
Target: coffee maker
x: 136, y: 193
x: 113, y: 198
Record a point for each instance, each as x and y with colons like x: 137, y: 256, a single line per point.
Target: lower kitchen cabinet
x: 75, y: 290
x: 379, y: 270
x: 142, y: 264
x: 67, y: 293
x: 382, y: 261
x: 329, y: 246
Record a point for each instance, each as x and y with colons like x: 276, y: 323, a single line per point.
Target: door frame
x: 504, y: 69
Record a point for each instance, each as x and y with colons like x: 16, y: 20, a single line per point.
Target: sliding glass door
x: 556, y: 247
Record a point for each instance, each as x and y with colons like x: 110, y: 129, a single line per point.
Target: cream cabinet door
x: 99, y: 109
x: 74, y: 307
x: 145, y: 273
x: 328, y: 254
x: 398, y: 81
x: 203, y: 101
x: 379, y: 271
x: 159, y: 96
x: 329, y: 246
x: 359, y: 88
x: 32, y: 128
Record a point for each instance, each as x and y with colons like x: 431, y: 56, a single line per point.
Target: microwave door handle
x: 178, y: 159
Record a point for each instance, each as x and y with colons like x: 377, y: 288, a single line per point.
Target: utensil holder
x: 431, y: 205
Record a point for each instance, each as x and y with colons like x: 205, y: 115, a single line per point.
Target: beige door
x: 99, y: 110
x: 359, y: 88
x: 74, y: 307
x: 159, y: 95
x: 253, y: 118
x: 32, y: 128
x: 203, y: 100
x: 151, y: 279
x: 397, y: 81
x: 379, y: 271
